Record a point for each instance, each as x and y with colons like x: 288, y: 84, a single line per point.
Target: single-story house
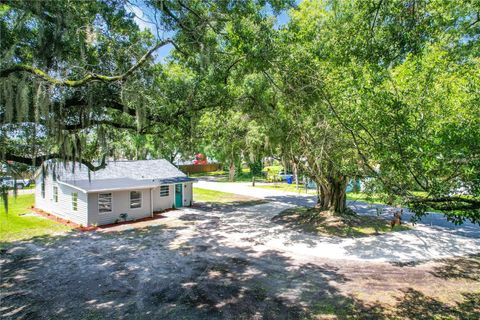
x: 123, y: 190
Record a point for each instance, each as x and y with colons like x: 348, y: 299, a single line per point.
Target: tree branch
x: 38, y: 161
x: 448, y: 203
x: 89, y: 77
x: 80, y: 126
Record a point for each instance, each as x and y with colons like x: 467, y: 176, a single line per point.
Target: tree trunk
x: 332, y: 196
x: 295, y: 175
x: 231, y: 171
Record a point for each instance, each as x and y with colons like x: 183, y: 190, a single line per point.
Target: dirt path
x: 421, y: 243
x: 193, y: 267
x: 433, y: 238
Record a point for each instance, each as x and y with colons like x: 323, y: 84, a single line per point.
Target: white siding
x: 40, y: 202
x: 187, y: 194
x: 120, y: 204
x: 63, y: 208
x: 162, y: 203
x: 87, y: 212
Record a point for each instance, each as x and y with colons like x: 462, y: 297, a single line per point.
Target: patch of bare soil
x: 187, y: 271
x: 430, y: 290
x: 326, y: 223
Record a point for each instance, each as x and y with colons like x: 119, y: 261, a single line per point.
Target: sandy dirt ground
x: 193, y: 265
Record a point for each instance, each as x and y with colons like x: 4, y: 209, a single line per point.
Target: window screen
x: 55, y: 193
x: 135, y: 199
x: 74, y: 201
x: 164, y: 191
x: 104, y: 202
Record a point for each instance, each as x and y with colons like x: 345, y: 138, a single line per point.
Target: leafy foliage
x: 383, y: 90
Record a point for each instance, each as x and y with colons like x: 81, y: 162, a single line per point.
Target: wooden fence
x: 198, y: 168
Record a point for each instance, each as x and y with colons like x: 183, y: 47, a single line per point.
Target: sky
x: 143, y: 16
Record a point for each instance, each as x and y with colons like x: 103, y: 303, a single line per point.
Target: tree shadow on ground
x: 428, y: 244
x: 182, y: 273
x: 459, y: 268
x: 315, y: 221
x: 153, y: 273
x: 431, y: 219
x: 415, y: 305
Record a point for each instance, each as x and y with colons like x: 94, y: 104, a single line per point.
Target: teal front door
x: 178, y: 196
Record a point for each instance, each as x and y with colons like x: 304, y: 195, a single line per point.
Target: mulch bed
x: 52, y: 217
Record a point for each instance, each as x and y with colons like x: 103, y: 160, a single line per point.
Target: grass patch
x: 14, y: 227
x: 222, y: 176
x: 208, y: 174
x: 244, y: 177
x: 219, y: 197
x: 287, y: 187
x: 323, y: 223
x: 360, y: 196
x: 374, y: 198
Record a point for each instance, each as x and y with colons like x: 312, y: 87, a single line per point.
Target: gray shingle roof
x: 111, y: 184
x: 137, y: 169
x: 118, y: 175
x: 122, y: 184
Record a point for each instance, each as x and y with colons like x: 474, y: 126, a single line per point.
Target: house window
x: 42, y: 188
x: 55, y: 194
x: 74, y: 201
x: 104, y: 202
x: 164, y: 191
x: 135, y: 199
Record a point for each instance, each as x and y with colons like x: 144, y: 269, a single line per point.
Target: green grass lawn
x: 208, y: 174
x: 365, y: 197
x: 15, y: 227
x: 222, y: 175
x: 212, y: 196
x: 357, y: 196
x: 244, y: 177
x: 282, y: 186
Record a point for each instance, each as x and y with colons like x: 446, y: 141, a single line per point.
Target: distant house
x: 124, y: 190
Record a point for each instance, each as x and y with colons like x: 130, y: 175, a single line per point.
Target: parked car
x: 285, y: 175
x: 10, y: 182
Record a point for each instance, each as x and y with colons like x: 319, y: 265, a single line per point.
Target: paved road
x: 432, y: 238
x: 22, y: 191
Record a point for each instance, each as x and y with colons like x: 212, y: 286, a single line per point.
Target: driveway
x: 228, y: 263
x: 432, y: 238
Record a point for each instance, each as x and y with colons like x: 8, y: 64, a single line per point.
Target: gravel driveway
x: 234, y: 263
x: 431, y: 238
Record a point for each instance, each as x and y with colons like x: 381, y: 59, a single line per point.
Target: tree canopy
x: 386, y: 91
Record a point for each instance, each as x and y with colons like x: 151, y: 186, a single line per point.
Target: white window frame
x: 75, y: 201
x: 55, y: 193
x: 141, y: 199
x: 162, y: 194
x: 111, y: 202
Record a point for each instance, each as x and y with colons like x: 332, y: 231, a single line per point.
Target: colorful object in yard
x: 289, y: 179
x: 200, y: 159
